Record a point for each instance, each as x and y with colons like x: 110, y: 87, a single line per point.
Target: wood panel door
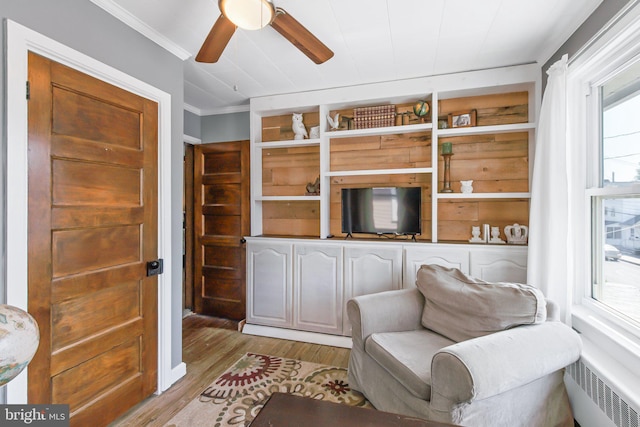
x: 221, y: 219
x: 92, y: 228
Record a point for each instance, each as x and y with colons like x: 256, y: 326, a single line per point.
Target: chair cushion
x: 461, y: 307
x: 407, y: 357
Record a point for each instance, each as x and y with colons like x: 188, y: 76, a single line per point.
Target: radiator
x: 604, y: 395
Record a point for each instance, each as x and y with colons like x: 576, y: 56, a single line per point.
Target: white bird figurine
x: 298, y: 127
x: 334, y: 122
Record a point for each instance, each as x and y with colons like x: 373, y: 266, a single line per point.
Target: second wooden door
x: 221, y: 219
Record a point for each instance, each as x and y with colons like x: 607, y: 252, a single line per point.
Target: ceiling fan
x: 254, y: 15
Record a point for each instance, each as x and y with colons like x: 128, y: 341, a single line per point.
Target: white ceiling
x: 373, y: 41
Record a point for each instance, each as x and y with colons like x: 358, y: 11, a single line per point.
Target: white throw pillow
x: 460, y: 307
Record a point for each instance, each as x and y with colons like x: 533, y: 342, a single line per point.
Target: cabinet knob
x: 243, y: 240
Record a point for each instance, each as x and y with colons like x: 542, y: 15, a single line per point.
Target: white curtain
x: 548, y: 264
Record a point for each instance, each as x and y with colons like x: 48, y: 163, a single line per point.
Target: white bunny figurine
x: 298, y: 127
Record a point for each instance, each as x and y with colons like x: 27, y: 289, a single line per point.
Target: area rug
x: 236, y: 396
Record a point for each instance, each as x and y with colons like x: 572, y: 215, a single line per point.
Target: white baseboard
x: 294, y: 335
x: 178, y: 372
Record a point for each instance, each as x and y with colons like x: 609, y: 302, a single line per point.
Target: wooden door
x: 221, y: 219
x: 92, y: 228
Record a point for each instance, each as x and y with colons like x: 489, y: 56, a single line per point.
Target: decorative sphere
x: 19, y: 338
x: 421, y: 108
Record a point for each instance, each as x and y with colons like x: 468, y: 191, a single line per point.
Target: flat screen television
x: 383, y: 210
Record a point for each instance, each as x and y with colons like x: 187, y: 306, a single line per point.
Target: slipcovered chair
x: 463, y: 351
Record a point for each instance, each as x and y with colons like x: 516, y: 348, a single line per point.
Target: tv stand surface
x: 390, y: 236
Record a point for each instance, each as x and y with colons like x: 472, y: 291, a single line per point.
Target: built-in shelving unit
x: 494, y: 153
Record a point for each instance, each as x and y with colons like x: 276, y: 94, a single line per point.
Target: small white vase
x: 466, y: 186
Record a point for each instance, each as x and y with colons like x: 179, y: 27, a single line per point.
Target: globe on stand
x: 421, y: 109
x: 19, y: 338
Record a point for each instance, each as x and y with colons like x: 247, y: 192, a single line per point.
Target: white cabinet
x: 454, y: 256
x: 369, y: 270
x: 490, y: 263
x: 317, y: 304
x: 269, y: 283
x: 493, y: 265
x: 299, y: 288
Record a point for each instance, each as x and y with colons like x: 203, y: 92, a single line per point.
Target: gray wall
x: 192, y: 124
x: 593, y: 24
x: 225, y: 127
x: 85, y: 27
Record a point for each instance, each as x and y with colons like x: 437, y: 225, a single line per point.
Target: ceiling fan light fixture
x: 248, y: 14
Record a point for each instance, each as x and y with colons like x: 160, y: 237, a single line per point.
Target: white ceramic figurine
x: 298, y: 127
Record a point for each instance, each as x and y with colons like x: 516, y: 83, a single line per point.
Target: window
x: 613, y: 233
x: 615, y: 195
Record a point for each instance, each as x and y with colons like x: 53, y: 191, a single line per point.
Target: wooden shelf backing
x: 287, y: 171
x: 456, y: 217
x: 407, y: 151
x: 494, y: 109
x: 366, y: 181
x: 299, y: 217
x: 278, y: 128
x: 497, y: 163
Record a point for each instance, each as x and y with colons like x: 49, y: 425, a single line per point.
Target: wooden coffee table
x: 288, y: 410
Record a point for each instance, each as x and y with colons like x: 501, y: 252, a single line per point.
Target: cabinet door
x: 414, y: 257
x: 369, y: 270
x: 500, y: 265
x: 317, y: 288
x: 269, y: 283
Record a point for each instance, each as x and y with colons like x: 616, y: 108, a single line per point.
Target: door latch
x: 154, y: 267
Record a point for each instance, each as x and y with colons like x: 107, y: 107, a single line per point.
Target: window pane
x: 617, y: 273
x: 621, y: 128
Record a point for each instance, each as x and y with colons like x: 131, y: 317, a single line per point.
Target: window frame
x: 612, y: 49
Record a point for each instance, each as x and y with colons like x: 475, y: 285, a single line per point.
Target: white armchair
x: 509, y: 376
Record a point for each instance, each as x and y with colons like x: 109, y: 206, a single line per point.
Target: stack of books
x: 374, y: 117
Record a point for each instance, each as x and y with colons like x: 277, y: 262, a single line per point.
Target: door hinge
x: 28, y: 90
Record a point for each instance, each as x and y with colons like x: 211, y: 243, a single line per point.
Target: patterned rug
x: 236, y: 396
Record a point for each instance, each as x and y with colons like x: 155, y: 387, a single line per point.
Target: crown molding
x: 191, y: 139
x: 217, y: 111
x: 226, y: 110
x: 132, y: 21
x: 190, y: 108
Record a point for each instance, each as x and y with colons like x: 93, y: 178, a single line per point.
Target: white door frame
x: 20, y: 41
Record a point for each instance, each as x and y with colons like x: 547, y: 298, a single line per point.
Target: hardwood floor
x: 209, y: 347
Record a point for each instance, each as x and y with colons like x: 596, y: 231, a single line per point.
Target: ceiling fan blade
x: 216, y: 41
x: 301, y: 38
